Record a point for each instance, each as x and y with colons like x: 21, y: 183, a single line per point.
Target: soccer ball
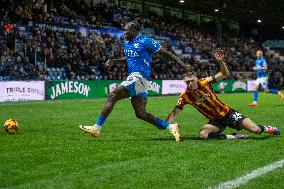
x: 11, y: 126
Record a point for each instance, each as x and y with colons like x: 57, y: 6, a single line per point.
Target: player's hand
x: 187, y: 68
x: 255, y: 68
x: 109, y: 63
x: 219, y: 55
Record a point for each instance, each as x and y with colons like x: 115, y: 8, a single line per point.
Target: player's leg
x: 264, y: 84
x: 210, y: 131
x: 233, y: 120
x: 126, y: 89
x: 139, y: 105
x: 274, y: 91
x: 255, y: 94
x: 249, y: 125
x: 117, y: 94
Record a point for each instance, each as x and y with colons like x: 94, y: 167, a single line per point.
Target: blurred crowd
x: 48, y: 54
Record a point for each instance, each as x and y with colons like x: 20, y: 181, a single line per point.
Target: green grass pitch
x: 50, y: 151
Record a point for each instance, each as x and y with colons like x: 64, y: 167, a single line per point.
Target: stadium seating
x: 58, y: 54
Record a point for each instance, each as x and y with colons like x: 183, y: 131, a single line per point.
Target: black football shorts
x: 233, y: 120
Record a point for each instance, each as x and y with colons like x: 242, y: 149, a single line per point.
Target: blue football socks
x: 101, y: 120
x: 273, y: 91
x: 161, y: 124
x: 255, y: 96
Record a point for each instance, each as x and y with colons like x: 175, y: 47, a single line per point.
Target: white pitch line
x: 244, y: 179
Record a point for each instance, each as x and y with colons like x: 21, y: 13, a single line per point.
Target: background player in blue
x: 262, y: 78
x: 138, y: 51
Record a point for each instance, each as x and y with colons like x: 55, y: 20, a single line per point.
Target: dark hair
x: 133, y: 25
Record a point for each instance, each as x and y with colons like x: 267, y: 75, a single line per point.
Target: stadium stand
x: 50, y: 53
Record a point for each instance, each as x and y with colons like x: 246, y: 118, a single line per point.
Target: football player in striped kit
x: 201, y: 96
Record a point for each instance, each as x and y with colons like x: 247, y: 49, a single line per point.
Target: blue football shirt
x: 261, y: 62
x: 139, y: 52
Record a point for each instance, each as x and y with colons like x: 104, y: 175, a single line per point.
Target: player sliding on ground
x: 201, y: 96
x: 138, y: 50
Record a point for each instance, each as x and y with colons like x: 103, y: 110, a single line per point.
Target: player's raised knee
x: 203, y: 135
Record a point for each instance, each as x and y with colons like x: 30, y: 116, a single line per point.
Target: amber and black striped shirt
x: 205, y: 100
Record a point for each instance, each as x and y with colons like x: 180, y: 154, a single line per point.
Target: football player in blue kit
x: 262, y: 78
x: 138, y: 50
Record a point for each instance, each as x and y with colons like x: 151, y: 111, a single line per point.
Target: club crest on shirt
x: 136, y: 45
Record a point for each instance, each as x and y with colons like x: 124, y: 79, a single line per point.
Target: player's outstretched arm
x: 173, y: 115
x: 163, y: 51
x: 110, y: 62
x: 224, y: 72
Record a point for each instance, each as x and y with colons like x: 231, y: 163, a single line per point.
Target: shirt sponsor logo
x: 131, y: 53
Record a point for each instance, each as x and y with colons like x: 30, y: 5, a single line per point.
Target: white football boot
x: 92, y: 130
x: 174, y: 129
